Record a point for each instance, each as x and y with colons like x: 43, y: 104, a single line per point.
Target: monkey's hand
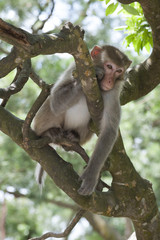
x: 89, y: 182
x: 99, y: 73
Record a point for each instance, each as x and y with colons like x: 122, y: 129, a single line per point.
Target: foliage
x: 137, y: 29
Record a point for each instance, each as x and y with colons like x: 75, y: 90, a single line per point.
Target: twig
x: 45, y: 20
x: 37, y: 104
x: 19, y: 81
x: 67, y: 231
x: 38, y: 80
x: 10, y: 62
x: 5, y: 100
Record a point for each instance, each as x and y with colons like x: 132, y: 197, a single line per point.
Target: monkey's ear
x: 129, y: 63
x: 95, y: 51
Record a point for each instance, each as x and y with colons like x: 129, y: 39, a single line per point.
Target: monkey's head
x: 110, y: 64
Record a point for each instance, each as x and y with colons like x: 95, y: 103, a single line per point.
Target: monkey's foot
x: 61, y: 136
x: 72, y: 136
x: 88, y: 185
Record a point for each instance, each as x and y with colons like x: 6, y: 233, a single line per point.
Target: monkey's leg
x: 62, y: 137
x: 59, y: 136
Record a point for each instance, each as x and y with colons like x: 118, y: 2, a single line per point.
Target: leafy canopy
x: 137, y: 29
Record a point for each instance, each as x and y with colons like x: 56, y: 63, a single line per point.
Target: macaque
x: 66, y: 113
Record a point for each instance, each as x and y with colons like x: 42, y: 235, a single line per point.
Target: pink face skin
x: 112, y: 72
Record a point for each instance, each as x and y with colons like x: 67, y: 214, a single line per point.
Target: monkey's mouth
x: 104, y: 87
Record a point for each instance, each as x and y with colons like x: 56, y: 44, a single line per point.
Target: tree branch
x: 7, y: 64
x: 38, y: 80
x: 31, y: 114
x: 127, y: 1
x: 35, y: 29
x: 19, y: 82
x: 67, y: 230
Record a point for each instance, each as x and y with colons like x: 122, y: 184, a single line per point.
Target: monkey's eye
x: 109, y: 66
x: 119, y: 71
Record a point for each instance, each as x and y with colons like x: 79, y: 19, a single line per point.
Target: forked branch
x: 67, y: 231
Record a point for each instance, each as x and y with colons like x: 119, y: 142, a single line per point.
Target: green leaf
x: 130, y: 38
x: 130, y: 9
x: 107, y: 1
x: 121, y: 28
x: 151, y: 41
x: 138, y: 44
x: 111, y: 8
x: 148, y: 47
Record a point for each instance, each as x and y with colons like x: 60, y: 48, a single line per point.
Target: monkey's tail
x: 40, y: 176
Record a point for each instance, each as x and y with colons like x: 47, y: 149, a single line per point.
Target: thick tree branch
x: 86, y: 73
x: 134, y: 192
x: 141, y: 79
x: 33, y: 44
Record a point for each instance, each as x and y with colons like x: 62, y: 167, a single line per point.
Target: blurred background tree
x: 25, y: 212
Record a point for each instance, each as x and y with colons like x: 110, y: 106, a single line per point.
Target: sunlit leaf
x: 148, y: 47
x: 111, y: 8
x: 107, y: 1
x: 122, y: 28
x: 130, y: 9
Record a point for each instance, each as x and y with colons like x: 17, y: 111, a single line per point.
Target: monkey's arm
x: 65, y: 96
x: 65, y: 93
x: 103, y: 148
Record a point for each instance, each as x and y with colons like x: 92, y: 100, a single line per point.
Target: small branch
x: 15, y: 193
x: 67, y: 231
x: 42, y: 23
x: 5, y: 100
x: 19, y: 82
x: 10, y: 62
x: 31, y: 114
x: 38, y: 80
